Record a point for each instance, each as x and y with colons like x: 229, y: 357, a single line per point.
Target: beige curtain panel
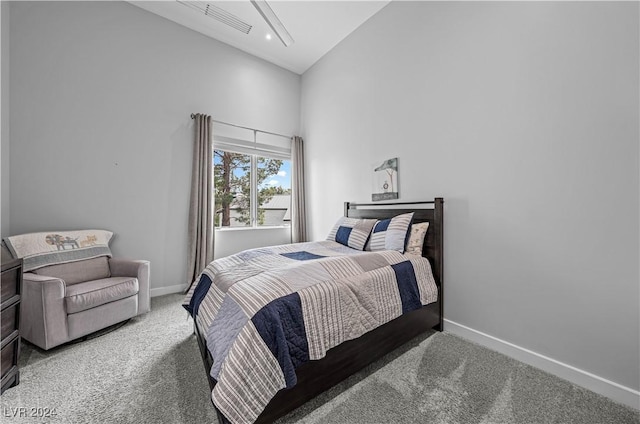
x: 201, y: 228
x: 298, y: 208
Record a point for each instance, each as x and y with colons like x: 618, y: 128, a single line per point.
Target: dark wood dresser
x: 10, y: 309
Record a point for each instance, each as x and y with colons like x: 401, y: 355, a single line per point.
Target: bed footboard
x: 342, y: 361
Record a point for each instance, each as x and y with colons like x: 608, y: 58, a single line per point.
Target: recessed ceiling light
x: 270, y: 17
x: 268, y: 37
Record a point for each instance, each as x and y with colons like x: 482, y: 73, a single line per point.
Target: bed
x: 308, y: 370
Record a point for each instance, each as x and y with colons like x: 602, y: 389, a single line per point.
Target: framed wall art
x: 385, y: 180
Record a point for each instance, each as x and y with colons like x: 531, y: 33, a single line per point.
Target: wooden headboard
x: 423, y: 211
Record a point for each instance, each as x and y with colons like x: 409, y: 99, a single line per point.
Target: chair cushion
x: 82, y: 296
x: 79, y: 271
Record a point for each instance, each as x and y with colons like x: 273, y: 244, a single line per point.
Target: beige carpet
x: 150, y: 371
x: 443, y: 379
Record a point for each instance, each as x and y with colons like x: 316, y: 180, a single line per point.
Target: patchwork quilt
x: 267, y: 311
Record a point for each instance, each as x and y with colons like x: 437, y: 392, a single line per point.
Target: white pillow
x: 416, y: 238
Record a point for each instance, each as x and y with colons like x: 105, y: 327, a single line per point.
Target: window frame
x: 254, y: 151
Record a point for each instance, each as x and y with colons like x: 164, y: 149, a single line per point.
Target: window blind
x: 252, y: 142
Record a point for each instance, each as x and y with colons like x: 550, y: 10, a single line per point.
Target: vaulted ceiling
x: 315, y: 26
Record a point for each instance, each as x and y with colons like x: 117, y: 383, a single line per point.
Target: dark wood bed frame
x: 314, y: 377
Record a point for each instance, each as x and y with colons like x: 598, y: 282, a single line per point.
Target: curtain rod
x: 246, y: 128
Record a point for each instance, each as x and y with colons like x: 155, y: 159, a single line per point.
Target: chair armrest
x: 43, y: 316
x: 134, y: 268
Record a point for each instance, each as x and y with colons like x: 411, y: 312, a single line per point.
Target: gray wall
x: 4, y: 118
x: 100, y: 128
x: 524, y: 117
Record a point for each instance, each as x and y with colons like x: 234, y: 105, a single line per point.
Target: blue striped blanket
x: 267, y: 311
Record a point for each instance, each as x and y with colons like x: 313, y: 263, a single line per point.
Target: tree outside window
x: 236, y: 191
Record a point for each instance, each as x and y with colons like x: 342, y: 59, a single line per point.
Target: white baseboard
x: 160, y: 291
x: 602, y: 386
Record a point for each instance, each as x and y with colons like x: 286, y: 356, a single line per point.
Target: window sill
x: 271, y: 227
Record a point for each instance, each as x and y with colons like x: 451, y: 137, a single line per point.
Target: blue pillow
x: 391, y: 234
x: 352, y: 232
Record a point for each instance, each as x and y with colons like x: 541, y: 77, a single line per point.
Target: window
x: 251, y: 190
x: 232, y: 177
x: 252, y: 172
x: 274, y: 191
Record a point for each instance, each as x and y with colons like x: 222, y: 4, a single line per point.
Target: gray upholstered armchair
x: 67, y: 301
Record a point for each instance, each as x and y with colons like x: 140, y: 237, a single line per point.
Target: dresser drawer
x: 10, y: 356
x: 9, y: 319
x: 10, y: 283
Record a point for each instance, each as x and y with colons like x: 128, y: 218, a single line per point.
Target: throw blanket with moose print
x: 56, y: 247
